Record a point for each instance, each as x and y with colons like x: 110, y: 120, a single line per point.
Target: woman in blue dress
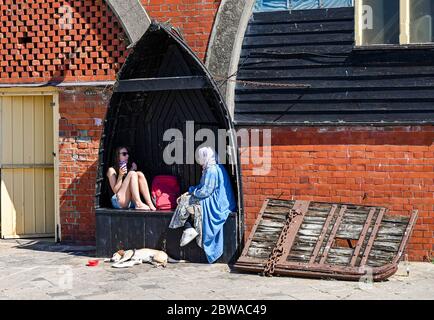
x: 217, y: 201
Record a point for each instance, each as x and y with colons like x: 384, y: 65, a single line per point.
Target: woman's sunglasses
x: 124, y: 153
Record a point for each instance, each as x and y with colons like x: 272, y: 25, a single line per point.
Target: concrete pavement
x: 44, y: 270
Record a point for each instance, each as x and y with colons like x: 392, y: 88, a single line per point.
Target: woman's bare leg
x: 124, y: 193
x: 130, y: 189
x: 144, y: 190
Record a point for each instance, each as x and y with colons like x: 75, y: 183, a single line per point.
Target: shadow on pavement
x: 49, y: 245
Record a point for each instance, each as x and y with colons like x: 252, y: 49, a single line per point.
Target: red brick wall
x: 37, y: 45
x: 195, y: 19
x: 82, y: 112
x: 59, y: 40
x: 391, y: 166
x: 35, y: 48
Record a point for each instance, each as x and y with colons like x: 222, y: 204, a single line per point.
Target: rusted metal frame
x: 248, y: 259
x: 362, y: 237
x: 378, y: 274
x: 323, y: 234
x: 372, y: 237
x: 302, y: 207
x: 287, y: 235
x: 320, y: 271
x: 255, y: 226
x: 407, y: 234
x: 333, y: 234
x: 328, y: 268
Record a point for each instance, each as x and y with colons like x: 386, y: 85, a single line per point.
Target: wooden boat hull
x: 163, y: 89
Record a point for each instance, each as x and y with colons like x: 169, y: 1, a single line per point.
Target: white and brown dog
x: 129, y: 258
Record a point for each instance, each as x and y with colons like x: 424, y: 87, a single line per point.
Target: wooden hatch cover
x: 326, y: 240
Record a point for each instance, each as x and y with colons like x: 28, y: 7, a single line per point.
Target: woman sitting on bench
x: 127, y: 184
x: 217, y: 201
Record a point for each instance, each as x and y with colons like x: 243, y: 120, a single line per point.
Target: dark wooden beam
x: 160, y: 84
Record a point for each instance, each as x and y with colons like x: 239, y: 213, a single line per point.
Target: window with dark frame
x: 394, y: 22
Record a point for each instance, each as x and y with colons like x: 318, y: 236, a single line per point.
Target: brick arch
x: 224, y: 48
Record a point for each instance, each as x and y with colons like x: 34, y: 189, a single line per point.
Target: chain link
x: 277, y: 251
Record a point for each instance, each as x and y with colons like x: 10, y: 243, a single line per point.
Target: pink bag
x: 165, y: 190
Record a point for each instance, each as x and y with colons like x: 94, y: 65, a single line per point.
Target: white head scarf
x: 206, y: 157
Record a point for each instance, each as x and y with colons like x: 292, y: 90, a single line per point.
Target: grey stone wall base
x: 225, y: 44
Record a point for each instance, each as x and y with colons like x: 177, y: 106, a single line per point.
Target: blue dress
x: 217, y: 201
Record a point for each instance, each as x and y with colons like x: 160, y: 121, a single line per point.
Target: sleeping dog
x: 129, y: 258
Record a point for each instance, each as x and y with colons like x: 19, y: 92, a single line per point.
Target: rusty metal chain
x: 277, y: 251
x: 263, y: 84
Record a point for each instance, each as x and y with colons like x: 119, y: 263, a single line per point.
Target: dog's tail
x: 171, y: 260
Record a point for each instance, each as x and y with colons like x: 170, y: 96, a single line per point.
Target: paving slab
x: 41, y: 269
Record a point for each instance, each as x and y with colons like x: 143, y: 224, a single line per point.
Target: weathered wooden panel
x: 331, y: 240
x: 342, y: 84
x: 129, y: 229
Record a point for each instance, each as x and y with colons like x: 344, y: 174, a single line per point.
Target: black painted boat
x: 162, y: 86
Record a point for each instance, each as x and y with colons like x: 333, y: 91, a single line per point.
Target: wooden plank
x: 48, y: 130
x: 323, y: 233
x: 28, y: 127
x: 103, y: 236
x: 40, y: 203
x: 281, y: 203
x: 8, y: 214
x: 295, y: 95
x: 39, y: 127
x: 372, y: 237
x: 297, y: 16
x: 362, y: 237
x: 6, y: 192
x: 332, y: 234
x: 18, y: 199
x: 302, y: 207
x: 137, y: 232
x: 310, y: 226
x: 290, y: 28
x: 329, y: 49
x: 349, y: 83
x: 339, y: 256
x: 27, y: 166
x: 17, y: 130
x: 119, y: 231
x: 49, y: 201
x: 309, y: 233
x: 255, y: 227
x: 270, y: 62
x: 332, y: 72
x: 341, y: 118
x: 29, y: 202
x: 386, y: 246
x: 161, y: 84
x: 406, y: 236
x: 6, y: 130
x: 279, y: 40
